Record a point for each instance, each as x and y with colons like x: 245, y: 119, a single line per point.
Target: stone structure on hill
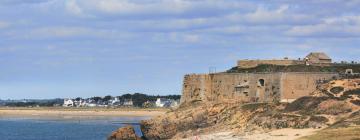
x: 314, y: 58
x: 317, y: 58
x: 248, y: 85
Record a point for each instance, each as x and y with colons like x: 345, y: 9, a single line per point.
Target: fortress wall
x: 247, y: 87
x: 254, y: 63
x: 224, y: 86
x: 296, y: 85
x: 213, y: 87
x: 195, y: 87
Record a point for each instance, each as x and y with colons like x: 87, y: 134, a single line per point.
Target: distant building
x: 317, y: 58
x: 115, y: 101
x: 68, y: 103
x: 314, y: 58
x: 162, y: 102
x: 128, y: 102
x: 79, y: 103
x: 174, y: 103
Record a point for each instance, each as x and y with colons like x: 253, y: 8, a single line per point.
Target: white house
x: 114, y: 101
x: 68, y: 103
x: 128, y: 102
x: 80, y: 103
x: 162, y: 102
x: 175, y: 103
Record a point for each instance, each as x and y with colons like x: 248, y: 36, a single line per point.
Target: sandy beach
x: 281, y: 134
x: 79, y: 112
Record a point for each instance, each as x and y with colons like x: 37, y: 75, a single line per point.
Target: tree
x: 107, y: 98
x: 126, y: 96
x: 96, y: 99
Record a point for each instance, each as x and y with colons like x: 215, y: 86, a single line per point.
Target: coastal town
x: 118, y: 102
x: 127, y: 100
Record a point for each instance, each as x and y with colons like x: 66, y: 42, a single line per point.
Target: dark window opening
x: 262, y: 82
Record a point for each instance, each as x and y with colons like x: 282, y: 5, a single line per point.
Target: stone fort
x: 281, y: 80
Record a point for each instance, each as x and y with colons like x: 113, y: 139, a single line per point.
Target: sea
x: 40, y: 128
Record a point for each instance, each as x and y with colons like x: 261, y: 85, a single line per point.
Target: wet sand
x: 76, y: 112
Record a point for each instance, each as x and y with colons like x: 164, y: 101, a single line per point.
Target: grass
x: 348, y: 133
x: 296, y: 68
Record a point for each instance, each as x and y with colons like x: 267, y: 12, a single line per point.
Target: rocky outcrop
x: 307, y: 112
x: 331, y: 103
x: 124, y: 133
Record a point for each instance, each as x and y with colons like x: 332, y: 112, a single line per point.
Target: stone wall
x: 195, y: 87
x: 254, y: 63
x: 295, y: 85
x: 250, y: 87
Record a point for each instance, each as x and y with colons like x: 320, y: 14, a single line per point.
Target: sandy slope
x: 281, y: 134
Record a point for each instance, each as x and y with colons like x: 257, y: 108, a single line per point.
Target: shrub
x: 347, y: 94
x: 254, y: 106
x: 355, y: 102
x: 337, y: 90
x: 305, y: 104
x: 319, y: 119
x: 333, y: 107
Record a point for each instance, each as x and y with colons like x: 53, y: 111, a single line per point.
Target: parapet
x: 254, y: 63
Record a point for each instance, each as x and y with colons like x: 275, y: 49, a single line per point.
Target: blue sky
x: 70, y: 48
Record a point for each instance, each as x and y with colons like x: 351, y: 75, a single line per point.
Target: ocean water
x: 95, y: 128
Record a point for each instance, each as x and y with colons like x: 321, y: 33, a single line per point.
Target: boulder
x: 124, y: 133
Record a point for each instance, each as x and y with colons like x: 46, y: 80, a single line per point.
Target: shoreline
x: 80, y: 112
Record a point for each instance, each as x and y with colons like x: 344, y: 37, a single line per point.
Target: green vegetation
x: 255, y: 106
x: 349, y: 133
x: 43, y: 103
x: 337, y: 90
x: 305, y: 105
x: 338, y: 68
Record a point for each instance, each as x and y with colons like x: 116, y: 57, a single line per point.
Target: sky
x: 84, y: 48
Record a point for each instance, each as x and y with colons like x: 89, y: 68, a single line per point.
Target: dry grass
x: 349, y: 133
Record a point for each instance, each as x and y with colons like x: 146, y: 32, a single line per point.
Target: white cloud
x: 69, y: 32
x: 4, y: 24
x: 156, y: 8
x: 61, y: 31
x: 343, y: 26
x: 113, y: 6
x: 72, y: 7
x: 191, y: 38
x: 265, y: 15
x: 126, y: 7
x: 176, y: 37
